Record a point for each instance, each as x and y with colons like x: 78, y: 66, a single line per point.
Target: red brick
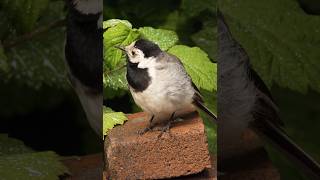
x: 182, y: 152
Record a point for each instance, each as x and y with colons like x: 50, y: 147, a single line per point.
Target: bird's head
x: 141, y: 52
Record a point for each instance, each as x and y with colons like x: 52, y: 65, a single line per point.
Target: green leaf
x: 17, y: 161
x: 24, y: 13
x: 198, y: 65
x: 210, y: 99
x: 116, y: 79
x: 40, y: 61
x: 35, y: 166
x: 119, y: 34
x: 111, y: 118
x: 211, y: 131
x: 113, y: 22
x: 115, y: 83
x: 281, y: 39
x: 164, y: 38
x: 9, y: 146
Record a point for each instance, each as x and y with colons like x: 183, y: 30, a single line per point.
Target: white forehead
x: 88, y: 6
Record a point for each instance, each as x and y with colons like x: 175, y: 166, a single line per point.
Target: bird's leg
x: 149, y: 128
x: 166, y: 128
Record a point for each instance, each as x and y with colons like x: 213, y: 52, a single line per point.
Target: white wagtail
x: 84, y: 56
x: 244, y: 102
x: 160, y: 85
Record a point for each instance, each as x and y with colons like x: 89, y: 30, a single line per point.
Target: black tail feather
x: 277, y: 137
x: 201, y: 106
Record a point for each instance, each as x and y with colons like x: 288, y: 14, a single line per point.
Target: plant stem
x: 117, y: 69
x: 11, y: 43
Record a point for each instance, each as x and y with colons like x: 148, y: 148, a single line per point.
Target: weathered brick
x: 181, y: 152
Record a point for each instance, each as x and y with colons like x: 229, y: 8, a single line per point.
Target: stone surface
x: 181, y: 152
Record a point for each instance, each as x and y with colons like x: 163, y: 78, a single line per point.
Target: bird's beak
x: 121, y: 48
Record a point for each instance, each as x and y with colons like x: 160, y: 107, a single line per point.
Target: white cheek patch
x: 147, y: 63
x: 88, y: 6
x: 133, y: 60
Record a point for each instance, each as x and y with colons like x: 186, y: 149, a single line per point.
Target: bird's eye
x: 133, y: 53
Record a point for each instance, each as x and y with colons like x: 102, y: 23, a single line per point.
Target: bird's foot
x: 165, y: 129
x: 145, y: 130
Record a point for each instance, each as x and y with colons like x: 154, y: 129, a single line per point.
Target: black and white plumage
x: 244, y: 102
x: 159, y: 83
x: 83, y: 52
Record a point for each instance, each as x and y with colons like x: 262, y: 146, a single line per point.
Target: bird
x: 245, y: 102
x: 84, y: 56
x: 160, y: 85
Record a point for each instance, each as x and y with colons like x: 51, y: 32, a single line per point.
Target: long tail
x: 277, y: 137
x: 201, y: 106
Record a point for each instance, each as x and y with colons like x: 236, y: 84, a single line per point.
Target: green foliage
x: 24, y: 13
x: 34, y: 65
x: 164, y: 38
x: 38, y: 61
x: 187, y: 18
x: 281, y: 40
x: 32, y: 77
x: 9, y: 146
x: 111, y: 118
x: 40, y: 165
x: 115, y: 83
x: 18, y: 161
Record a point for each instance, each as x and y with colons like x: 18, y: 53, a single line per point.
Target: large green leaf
x: 164, y: 38
x: 111, y: 118
x: 35, y: 166
x: 210, y: 99
x: 115, y: 83
x: 280, y: 38
x: 113, y: 22
x: 198, y: 65
x: 116, y: 79
x: 18, y: 161
x: 9, y: 146
x: 40, y: 61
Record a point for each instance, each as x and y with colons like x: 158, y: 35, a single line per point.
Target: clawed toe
x: 165, y: 129
x: 142, y: 132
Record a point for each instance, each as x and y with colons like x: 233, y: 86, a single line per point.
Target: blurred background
x: 282, y: 39
x: 37, y: 104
